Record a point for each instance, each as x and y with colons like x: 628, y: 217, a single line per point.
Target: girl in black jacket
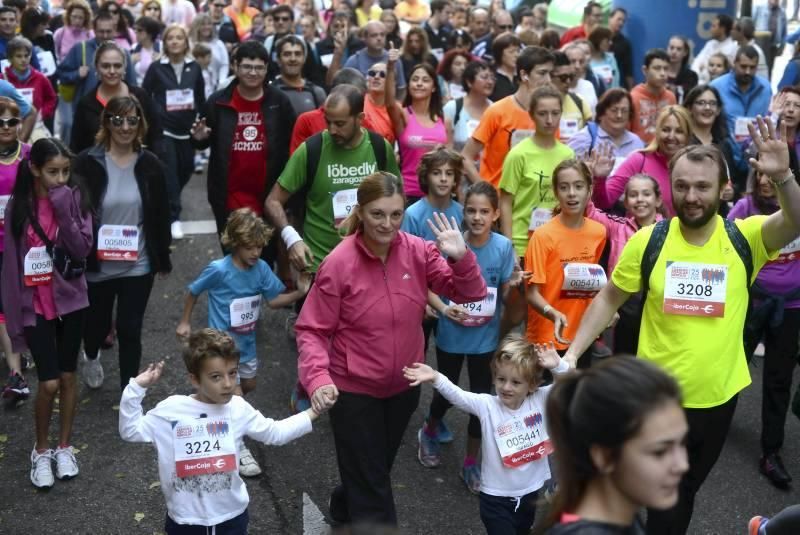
x: 127, y: 191
x: 176, y: 84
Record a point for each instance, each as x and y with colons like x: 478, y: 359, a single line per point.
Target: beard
x: 697, y: 222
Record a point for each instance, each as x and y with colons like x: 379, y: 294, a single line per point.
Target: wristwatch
x: 783, y: 181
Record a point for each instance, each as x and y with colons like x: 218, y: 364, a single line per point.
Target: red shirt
x: 573, y: 34
x: 247, y: 167
x: 313, y: 122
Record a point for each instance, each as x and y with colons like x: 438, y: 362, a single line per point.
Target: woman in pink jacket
x: 673, y: 132
x: 361, y: 324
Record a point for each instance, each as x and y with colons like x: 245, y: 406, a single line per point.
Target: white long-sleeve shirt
x: 496, y: 478
x: 207, y: 499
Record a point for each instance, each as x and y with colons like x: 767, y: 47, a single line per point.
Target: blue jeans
x: 235, y: 526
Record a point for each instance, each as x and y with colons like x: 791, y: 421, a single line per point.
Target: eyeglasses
x: 9, y: 123
x: 566, y: 77
x: 117, y: 120
x: 486, y: 77
x: 505, y: 27
x: 620, y: 111
x: 258, y: 69
x: 706, y: 104
x: 376, y: 74
x: 372, y: 35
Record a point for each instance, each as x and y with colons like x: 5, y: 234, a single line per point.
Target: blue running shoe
x: 428, y: 451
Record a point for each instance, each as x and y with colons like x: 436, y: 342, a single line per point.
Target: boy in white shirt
x: 196, y: 436
x: 514, y: 443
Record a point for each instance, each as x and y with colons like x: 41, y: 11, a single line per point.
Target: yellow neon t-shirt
x: 705, y: 355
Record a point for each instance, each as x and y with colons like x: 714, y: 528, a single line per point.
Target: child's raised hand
x: 304, y: 279
x: 150, y: 375
x: 547, y: 355
x: 419, y: 373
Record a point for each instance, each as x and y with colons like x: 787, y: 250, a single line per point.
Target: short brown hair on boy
x: 245, y: 229
x: 439, y: 156
x: 207, y: 344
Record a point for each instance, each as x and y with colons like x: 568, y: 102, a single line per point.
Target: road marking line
x: 206, y: 226
x: 313, y: 519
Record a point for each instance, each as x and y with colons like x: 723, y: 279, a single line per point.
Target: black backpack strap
x: 742, y: 247
x: 459, y: 107
x: 578, y: 102
x: 313, y: 153
x: 379, y: 148
x: 651, y: 252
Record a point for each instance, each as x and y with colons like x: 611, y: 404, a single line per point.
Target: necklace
x: 11, y: 154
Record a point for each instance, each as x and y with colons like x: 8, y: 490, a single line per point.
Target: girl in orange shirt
x: 563, y: 255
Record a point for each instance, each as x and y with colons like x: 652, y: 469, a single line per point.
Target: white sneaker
x: 248, y: 467
x: 42, y: 469
x: 66, y: 465
x: 92, y: 371
x: 177, y: 230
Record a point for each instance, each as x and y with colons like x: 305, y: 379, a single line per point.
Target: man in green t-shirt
x: 345, y: 159
x: 696, y: 301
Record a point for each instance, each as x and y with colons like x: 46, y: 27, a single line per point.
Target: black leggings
x: 480, y: 382
x: 179, y: 164
x: 54, y: 344
x: 131, y: 294
x: 708, y: 429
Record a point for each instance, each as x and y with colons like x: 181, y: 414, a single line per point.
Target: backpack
x: 656, y: 242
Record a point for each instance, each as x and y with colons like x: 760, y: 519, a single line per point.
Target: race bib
x: 205, y: 447
x: 568, y: 128
x: 118, y: 243
x: 180, y: 99
x: 740, y: 127
x: 481, y: 312
x: 519, y: 135
x: 582, y: 280
x: 522, y: 439
x: 27, y: 94
x: 244, y: 313
x: 38, y: 267
x: 540, y: 216
x: 605, y: 73
x: 695, y: 289
x: 3, y: 203
x: 343, y: 203
x: 790, y: 252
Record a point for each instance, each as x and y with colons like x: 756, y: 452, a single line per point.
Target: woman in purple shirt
x: 775, y: 318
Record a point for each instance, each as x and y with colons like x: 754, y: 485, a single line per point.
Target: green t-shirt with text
x: 332, y: 193
x: 528, y: 176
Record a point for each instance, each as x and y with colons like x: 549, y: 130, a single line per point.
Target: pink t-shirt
x: 43, y: 302
x: 414, y: 142
x: 8, y: 177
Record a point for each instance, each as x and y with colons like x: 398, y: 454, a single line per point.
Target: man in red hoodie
x: 652, y: 95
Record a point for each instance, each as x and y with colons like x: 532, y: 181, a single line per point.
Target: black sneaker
x: 771, y: 465
x: 16, y: 390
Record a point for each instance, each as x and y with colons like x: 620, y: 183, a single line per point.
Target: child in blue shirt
x: 236, y: 284
x: 471, y: 331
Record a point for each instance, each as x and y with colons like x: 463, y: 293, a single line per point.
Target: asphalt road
x: 117, y: 490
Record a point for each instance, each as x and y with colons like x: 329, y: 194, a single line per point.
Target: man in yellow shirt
x: 695, y: 306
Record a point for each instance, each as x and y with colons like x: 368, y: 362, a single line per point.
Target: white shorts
x: 247, y: 370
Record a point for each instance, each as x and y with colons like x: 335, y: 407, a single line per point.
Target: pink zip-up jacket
x: 608, y: 190
x: 362, y: 320
x: 618, y: 231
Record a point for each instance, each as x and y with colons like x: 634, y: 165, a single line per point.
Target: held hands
x: 448, y: 238
x: 430, y: 313
x: 547, y: 356
x: 200, y: 130
x: 150, y: 375
x: 304, y: 279
x: 300, y: 256
x: 601, y: 160
x: 419, y: 373
x: 773, y: 152
x: 324, y: 398
x: 455, y: 313
x: 518, y: 275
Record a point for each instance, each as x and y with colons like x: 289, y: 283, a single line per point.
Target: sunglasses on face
x: 376, y: 74
x: 118, y: 120
x: 505, y: 27
x: 564, y: 77
x: 9, y: 123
